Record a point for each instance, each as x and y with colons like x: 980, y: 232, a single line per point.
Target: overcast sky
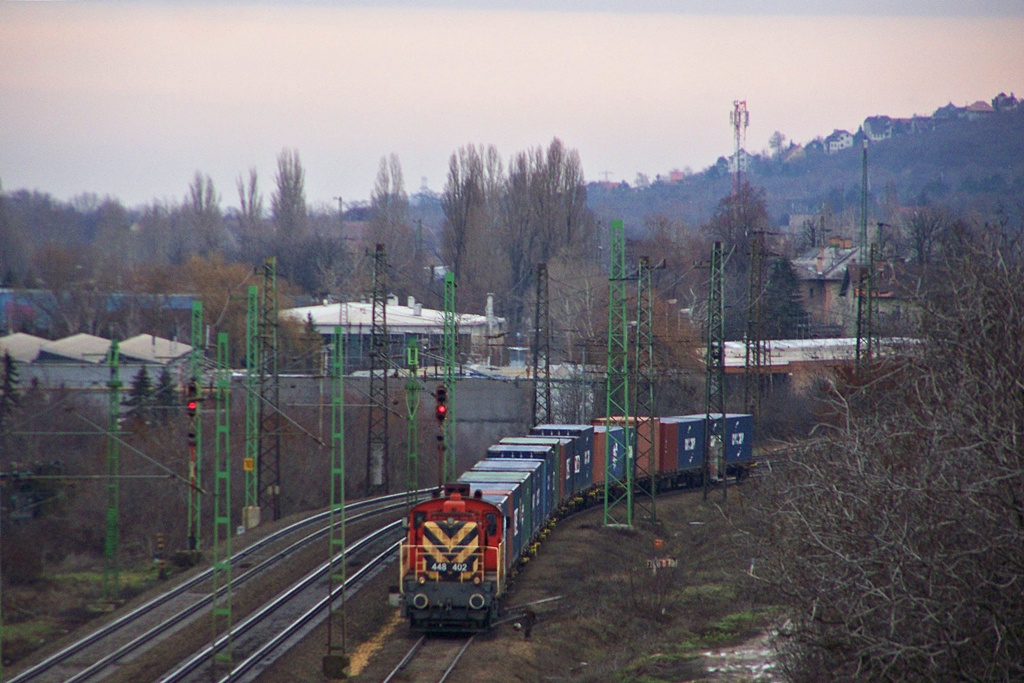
x: 131, y: 99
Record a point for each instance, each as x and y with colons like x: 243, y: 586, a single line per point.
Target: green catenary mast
x: 644, y: 461
x: 618, y: 490
x: 335, y: 661
x: 221, y: 578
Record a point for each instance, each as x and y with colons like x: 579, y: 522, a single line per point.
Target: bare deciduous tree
x: 895, y: 536
x: 201, y: 212
x: 288, y: 202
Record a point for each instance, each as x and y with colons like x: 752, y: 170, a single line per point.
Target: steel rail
x: 205, y: 601
x: 406, y: 659
x: 121, y: 622
x: 451, y: 667
x: 197, y: 660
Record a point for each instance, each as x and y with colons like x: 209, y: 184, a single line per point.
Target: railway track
x: 430, y: 659
x: 96, y: 655
x: 271, y: 630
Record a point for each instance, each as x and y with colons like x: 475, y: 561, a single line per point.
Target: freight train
x: 461, y: 546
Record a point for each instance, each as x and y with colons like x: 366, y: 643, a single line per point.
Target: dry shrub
x: 895, y: 537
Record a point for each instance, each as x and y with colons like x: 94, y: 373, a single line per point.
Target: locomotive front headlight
x: 476, y: 579
x: 422, y: 579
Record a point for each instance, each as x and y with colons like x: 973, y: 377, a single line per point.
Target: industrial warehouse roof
x: 22, y: 347
x: 90, y: 349
x: 785, y: 354
x: 80, y: 348
x: 355, y: 316
x: 149, y: 348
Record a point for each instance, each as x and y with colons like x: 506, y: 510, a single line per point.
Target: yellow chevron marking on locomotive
x: 450, y: 544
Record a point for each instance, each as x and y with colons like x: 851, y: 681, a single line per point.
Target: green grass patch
x: 676, y: 663
x: 734, y: 628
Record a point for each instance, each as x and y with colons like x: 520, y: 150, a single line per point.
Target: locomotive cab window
x: 418, y: 519
x: 492, y: 525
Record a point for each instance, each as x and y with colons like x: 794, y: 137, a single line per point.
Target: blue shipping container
x: 583, y: 461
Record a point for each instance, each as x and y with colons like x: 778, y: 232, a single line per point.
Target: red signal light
x: 441, y: 410
x: 192, y: 406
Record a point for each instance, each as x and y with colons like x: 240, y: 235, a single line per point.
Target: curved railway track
x: 130, y: 633
x: 272, y: 629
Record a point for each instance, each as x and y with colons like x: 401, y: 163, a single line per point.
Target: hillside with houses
x: 968, y: 157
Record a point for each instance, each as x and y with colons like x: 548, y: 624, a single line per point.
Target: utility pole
x: 542, y: 350
x: 618, y: 489
x: 269, y: 459
x: 864, y: 268
x: 112, y: 545
x: 715, y: 367
x: 377, y: 464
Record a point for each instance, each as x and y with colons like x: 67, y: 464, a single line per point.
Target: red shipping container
x: 668, y: 445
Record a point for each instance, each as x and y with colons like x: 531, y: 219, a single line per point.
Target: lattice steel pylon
x: 618, y: 488
x: 221, y: 561
x: 112, y: 543
x: 335, y: 661
x: 377, y: 464
x: 644, y: 464
x: 867, y: 309
x: 268, y: 463
x: 714, y: 458
x: 195, y: 461
x: 542, y: 350
x: 450, y: 342
x: 252, y: 405
x: 412, y: 405
x: 755, y: 341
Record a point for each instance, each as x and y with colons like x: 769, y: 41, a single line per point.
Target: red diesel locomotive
x: 453, y: 562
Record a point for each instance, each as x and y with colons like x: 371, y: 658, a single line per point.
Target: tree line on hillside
x: 963, y: 164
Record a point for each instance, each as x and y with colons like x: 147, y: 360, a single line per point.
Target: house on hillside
x: 914, y: 124
x: 1002, y: 102
x: 979, y: 110
x: 838, y: 141
x: 824, y: 273
x: 949, y: 112
x: 745, y: 159
x: 878, y: 128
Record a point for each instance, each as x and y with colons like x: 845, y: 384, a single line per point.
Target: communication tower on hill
x: 740, y: 119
